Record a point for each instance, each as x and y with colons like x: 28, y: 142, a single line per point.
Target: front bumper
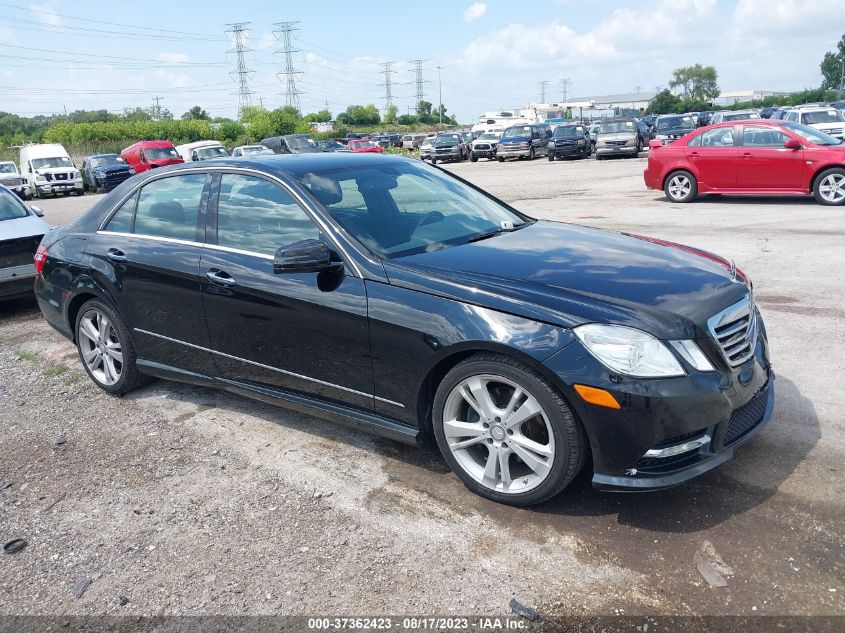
x: 455, y: 155
x: 513, y: 153
x: 568, y: 150
x: 59, y: 186
x: 484, y: 153
x: 616, y: 150
x: 16, y: 281
x: 721, y: 409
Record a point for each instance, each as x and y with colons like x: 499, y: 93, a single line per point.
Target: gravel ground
x: 179, y: 500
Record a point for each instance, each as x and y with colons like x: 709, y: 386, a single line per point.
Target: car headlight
x: 629, y: 351
x: 581, y: 141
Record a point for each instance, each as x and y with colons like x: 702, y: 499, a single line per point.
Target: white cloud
x: 173, y: 80
x: 266, y: 41
x: 172, y: 58
x: 780, y: 16
x: 46, y: 14
x: 475, y: 11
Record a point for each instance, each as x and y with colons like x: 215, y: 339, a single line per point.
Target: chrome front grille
x: 735, y: 329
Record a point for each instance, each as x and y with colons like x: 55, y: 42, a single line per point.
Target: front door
x: 764, y: 163
x: 304, y: 332
x: 713, y: 158
x: 147, y: 259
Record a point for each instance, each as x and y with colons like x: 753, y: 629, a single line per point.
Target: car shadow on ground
x: 721, y: 198
x: 18, y: 308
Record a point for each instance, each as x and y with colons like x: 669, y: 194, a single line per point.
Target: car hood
x: 111, y: 169
x: 568, y: 275
x: 22, y: 227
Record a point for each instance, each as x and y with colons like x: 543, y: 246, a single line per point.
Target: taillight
x: 40, y: 258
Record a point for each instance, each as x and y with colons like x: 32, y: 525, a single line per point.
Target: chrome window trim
x: 270, y: 367
x: 173, y: 240
x: 223, y: 169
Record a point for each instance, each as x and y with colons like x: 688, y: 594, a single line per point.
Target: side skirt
x: 363, y: 420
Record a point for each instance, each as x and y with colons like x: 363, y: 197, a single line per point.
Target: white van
x: 201, y: 150
x: 48, y: 170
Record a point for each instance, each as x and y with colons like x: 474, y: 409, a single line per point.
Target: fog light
x: 598, y: 397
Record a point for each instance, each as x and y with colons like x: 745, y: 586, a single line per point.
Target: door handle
x: 220, y: 278
x: 747, y: 155
x: 693, y: 154
x: 116, y: 255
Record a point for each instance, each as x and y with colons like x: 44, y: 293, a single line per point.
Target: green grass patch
x: 55, y: 370
x: 22, y: 354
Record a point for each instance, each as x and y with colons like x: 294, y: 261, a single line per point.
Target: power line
x: 284, y: 32
x: 241, y: 73
x: 388, y: 84
x: 419, y: 80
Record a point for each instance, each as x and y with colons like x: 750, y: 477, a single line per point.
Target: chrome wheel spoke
x: 531, y: 459
x: 87, y: 328
x: 100, y: 347
x: 479, y: 397
x: 491, y: 468
x: 90, y: 355
x: 528, y: 410
x: 113, y: 350
x: 504, y: 468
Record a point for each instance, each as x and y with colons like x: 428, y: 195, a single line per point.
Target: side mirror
x: 307, y: 256
x: 195, y: 156
x: 792, y: 143
x: 654, y: 143
x: 37, y: 211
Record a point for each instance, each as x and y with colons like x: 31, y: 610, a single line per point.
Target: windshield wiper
x: 485, y: 234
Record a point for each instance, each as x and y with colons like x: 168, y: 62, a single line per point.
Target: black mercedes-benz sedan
x: 388, y: 294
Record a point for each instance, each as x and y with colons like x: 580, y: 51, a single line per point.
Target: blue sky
x: 56, y: 54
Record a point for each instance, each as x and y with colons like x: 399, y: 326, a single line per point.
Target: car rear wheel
x: 105, y: 349
x: 551, y: 157
x: 531, y: 154
x: 829, y: 188
x: 506, y: 432
x: 680, y: 186
x: 473, y: 158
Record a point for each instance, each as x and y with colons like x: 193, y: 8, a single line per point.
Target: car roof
x: 99, y: 156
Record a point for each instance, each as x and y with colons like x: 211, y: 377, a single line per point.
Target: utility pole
x: 388, y: 84
x: 541, y: 85
x: 564, y: 87
x: 657, y: 88
x: 419, y: 81
x: 440, y: 93
x: 841, y: 92
x: 157, y: 108
x: 638, y: 89
x: 239, y: 34
x: 284, y: 32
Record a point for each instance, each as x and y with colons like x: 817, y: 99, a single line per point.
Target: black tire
x: 551, y: 157
x: 639, y: 147
x: 473, y: 158
x: 676, y: 191
x: 501, y: 159
x: 130, y: 377
x: 433, y: 161
x: 571, y: 447
x: 531, y: 154
x: 837, y: 173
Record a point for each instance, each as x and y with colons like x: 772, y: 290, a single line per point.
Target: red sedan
x: 756, y: 157
x: 364, y: 146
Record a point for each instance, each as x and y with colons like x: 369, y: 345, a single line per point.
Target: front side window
x: 753, y: 136
x: 402, y: 209
x: 160, y: 153
x: 169, y: 207
x: 719, y: 137
x: 257, y: 215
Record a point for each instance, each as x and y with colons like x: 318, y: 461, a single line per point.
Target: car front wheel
x: 506, y: 432
x: 829, y: 188
x: 680, y: 186
x: 105, y: 349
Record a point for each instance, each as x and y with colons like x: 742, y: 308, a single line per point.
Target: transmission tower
x: 388, y: 84
x: 541, y: 86
x: 284, y: 32
x: 239, y: 33
x: 420, y: 81
x: 564, y: 88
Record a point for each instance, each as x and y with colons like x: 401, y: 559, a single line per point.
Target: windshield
x: 740, y: 116
x: 517, y: 132
x: 300, y: 142
x: 362, y: 144
x: 821, y: 116
x: 211, y: 152
x: 674, y: 122
x: 407, y: 137
x: 447, y: 139
x: 489, y: 136
x: 811, y: 134
x: 105, y: 161
x: 48, y: 163
x: 569, y: 131
x: 160, y: 153
x: 8, y: 168
x: 400, y: 209
x: 616, y: 127
x: 11, y: 208
x: 255, y: 149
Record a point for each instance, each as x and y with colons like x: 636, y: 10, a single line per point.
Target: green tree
x: 664, y: 103
x: 322, y: 116
x: 832, y: 66
x: 407, y: 119
x: 360, y: 115
x: 390, y: 115
x: 699, y: 83
x: 196, y: 113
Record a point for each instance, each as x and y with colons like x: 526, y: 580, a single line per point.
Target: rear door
x: 304, y: 332
x: 712, y: 156
x: 147, y: 257
x: 764, y: 163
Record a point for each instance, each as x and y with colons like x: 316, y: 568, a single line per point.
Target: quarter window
x: 169, y: 207
x: 763, y: 137
x: 718, y: 137
x: 121, y: 221
x: 254, y: 214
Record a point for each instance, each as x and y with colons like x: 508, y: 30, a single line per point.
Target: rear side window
x: 121, y: 221
x: 254, y: 214
x: 719, y: 137
x: 169, y: 207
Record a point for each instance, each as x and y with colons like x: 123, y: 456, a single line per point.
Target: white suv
x: 823, y: 118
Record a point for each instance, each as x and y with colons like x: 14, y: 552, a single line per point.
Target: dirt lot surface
x: 179, y: 500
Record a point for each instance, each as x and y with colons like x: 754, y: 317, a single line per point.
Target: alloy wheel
x: 100, y: 347
x: 679, y: 187
x: 499, y: 434
x: 832, y: 188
